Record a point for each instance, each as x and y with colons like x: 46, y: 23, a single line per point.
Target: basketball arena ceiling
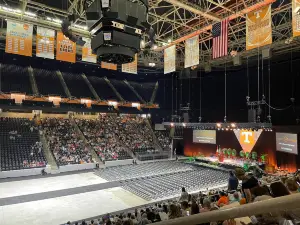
x: 173, y: 19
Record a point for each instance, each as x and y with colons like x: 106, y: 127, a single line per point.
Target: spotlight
x: 183, y: 124
x: 222, y: 128
x: 169, y: 41
x: 218, y: 125
x: 233, y: 125
x: 154, y: 47
x: 227, y: 129
x: 172, y: 124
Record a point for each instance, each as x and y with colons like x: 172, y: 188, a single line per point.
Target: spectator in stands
x: 184, y: 196
x: 185, y: 209
x: 174, y: 211
x: 248, y: 183
x: 233, y: 182
x: 223, y: 200
x: 292, y: 185
x: 206, y: 206
x: 278, y: 189
x: 194, y: 208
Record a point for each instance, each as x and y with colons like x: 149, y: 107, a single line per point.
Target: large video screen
x: 204, y: 136
x: 286, y: 142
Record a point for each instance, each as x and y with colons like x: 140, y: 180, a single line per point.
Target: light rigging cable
x: 225, y: 117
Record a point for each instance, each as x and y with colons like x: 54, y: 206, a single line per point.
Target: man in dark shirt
x: 233, y: 182
x: 248, y: 183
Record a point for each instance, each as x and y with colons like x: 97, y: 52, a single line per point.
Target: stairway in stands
x: 80, y: 134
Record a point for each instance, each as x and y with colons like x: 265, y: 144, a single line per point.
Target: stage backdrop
x: 266, y: 144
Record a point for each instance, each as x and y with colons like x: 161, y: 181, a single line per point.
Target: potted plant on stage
x: 229, y: 151
x: 242, y: 154
x: 233, y: 153
x: 263, y: 158
x: 254, y: 155
x: 247, y: 155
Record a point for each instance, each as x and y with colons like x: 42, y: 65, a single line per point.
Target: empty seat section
x: 103, y: 89
x: 48, y: 82
x: 145, y: 90
x: 125, y: 91
x: 19, y: 145
x: 77, y: 85
x: 15, y: 79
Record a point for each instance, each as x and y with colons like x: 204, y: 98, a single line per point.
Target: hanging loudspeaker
x: 207, y: 68
x: 251, y: 115
x: 266, y: 53
x: 237, y: 60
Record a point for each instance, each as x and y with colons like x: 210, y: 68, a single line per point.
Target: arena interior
x: 131, y: 112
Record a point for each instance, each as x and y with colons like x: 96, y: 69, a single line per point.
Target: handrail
x: 257, y: 208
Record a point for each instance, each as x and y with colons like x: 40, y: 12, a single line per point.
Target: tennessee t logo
x: 247, y: 134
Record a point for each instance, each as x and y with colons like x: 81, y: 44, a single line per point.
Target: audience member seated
x: 136, y: 135
x: 65, y: 144
x: 102, y: 134
x: 164, y: 139
x: 19, y: 145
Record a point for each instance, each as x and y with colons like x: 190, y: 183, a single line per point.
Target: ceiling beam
x: 193, y: 10
x: 209, y: 27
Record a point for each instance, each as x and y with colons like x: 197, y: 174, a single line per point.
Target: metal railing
x: 281, y: 204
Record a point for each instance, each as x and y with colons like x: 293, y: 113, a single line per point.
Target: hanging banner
x: 109, y: 66
x: 87, y: 54
x: 191, y: 52
x: 170, y: 59
x: 130, y: 67
x: 259, y: 28
x: 19, y: 38
x: 65, y: 49
x: 45, y: 43
x: 247, y: 138
x: 296, y: 18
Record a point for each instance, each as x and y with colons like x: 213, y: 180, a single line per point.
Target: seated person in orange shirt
x: 223, y: 200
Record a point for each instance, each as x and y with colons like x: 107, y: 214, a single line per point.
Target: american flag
x: 220, y: 39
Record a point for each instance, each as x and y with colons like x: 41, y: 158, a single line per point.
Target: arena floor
x: 55, y: 200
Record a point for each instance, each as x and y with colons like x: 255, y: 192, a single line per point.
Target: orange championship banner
x: 19, y: 38
x: 296, y: 17
x: 170, y: 59
x: 247, y: 138
x: 130, y: 67
x: 65, y: 49
x: 87, y: 54
x: 109, y: 66
x: 45, y: 43
x: 259, y: 28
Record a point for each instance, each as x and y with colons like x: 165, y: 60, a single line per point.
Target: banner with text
x: 87, y: 54
x: 191, y: 52
x: 108, y: 66
x: 19, y: 38
x: 170, y: 59
x: 130, y: 67
x: 247, y: 138
x: 65, y: 49
x: 45, y: 43
x: 259, y: 28
x: 296, y: 18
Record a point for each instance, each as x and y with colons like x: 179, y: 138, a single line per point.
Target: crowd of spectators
x: 103, y: 136
x: 64, y: 142
x: 136, y: 134
x: 251, y: 190
x: 164, y: 139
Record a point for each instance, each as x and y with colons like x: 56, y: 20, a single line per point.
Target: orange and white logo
x: 247, y: 139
